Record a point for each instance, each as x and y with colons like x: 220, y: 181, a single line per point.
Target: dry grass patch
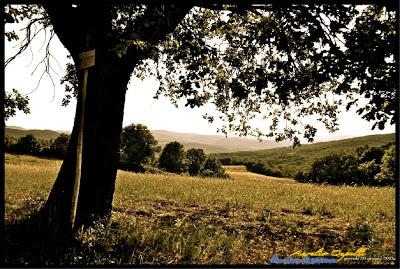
x: 179, y: 219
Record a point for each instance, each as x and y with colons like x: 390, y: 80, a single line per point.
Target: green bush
x: 195, y: 160
x: 213, y: 168
x: 9, y: 143
x: 368, y: 171
x: 368, y: 154
x: 335, y: 169
x: 58, y: 147
x: 301, y: 177
x: 263, y: 169
x: 387, y: 174
x: 27, y: 145
x: 373, y: 166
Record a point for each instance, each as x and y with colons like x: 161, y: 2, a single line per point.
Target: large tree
x: 280, y: 62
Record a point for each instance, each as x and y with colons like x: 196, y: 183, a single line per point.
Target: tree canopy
x: 278, y: 62
x: 172, y: 158
x: 138, y: 145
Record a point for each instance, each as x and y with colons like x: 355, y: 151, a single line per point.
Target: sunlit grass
x: 245, y: 219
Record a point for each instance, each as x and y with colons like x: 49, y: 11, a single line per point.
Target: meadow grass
x: 177, y: 219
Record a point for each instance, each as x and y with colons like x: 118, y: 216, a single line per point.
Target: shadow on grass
x: 26, y: 244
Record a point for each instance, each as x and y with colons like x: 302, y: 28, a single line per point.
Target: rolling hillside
x: 18, y: 132
x: 291, y: 160
x: 209, y: 143
x: 214, y: 143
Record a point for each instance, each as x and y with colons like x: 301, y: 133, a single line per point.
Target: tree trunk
x: 102, y: 127
x: 103, y: 116
x: 85, y: 28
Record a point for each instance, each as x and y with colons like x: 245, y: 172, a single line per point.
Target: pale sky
x: 140, y: 107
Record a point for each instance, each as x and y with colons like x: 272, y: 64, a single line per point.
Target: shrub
x: 368, y: 171
x: 27, y: 145
x: 9, y: 143
x: 368, y: 154
x: 301, y: 176
x: 386, y: 176
x: 263, y: 169
x: 195, y: 159
x: 130, y: 167
x: 213, y: 168
x: 58, y: 147
x: 335, y: 169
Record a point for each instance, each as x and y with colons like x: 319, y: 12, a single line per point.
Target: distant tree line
x: 374, y: 166
x: 140, y: 153
x: 258, y: 167
x: 29, y: 144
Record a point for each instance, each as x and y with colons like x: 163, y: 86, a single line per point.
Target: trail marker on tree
x: 86, y: 60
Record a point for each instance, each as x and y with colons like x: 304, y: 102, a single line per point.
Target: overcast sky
x: 140, y: 107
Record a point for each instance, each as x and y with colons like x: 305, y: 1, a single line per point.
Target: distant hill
x: 18, y: 132
x: 246, y: 149
x: 291, y: 160
x: 209, y: 143
x: 215, y: 143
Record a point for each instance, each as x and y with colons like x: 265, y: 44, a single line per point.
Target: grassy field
x: 291, y: 160
x: 173, y: 219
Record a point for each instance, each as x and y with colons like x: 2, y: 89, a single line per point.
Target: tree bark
x: 106, y: 88
x: 102, y: 127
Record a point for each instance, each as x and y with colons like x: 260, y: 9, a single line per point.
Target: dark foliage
x: 213, y: 168
x: 195, y: 160
x: 263, y: 169
x: 172, y: 158
x: 368, y: 153
x: 373, y: 166
x: 138, y: 147
x: 335, y: 169
x: 27, y: 145
x: 15, y: 101
x: 131, y: 167
x: 59, y: 146
x: 230, y: 161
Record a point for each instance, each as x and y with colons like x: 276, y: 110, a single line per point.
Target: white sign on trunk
x: 86, y: 59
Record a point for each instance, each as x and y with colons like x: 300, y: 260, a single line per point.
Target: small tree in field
x: 27, y: 145
x: 213, y: 168
x: 196, y: 159
x: 138, y: 145
x: 172, y: 158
